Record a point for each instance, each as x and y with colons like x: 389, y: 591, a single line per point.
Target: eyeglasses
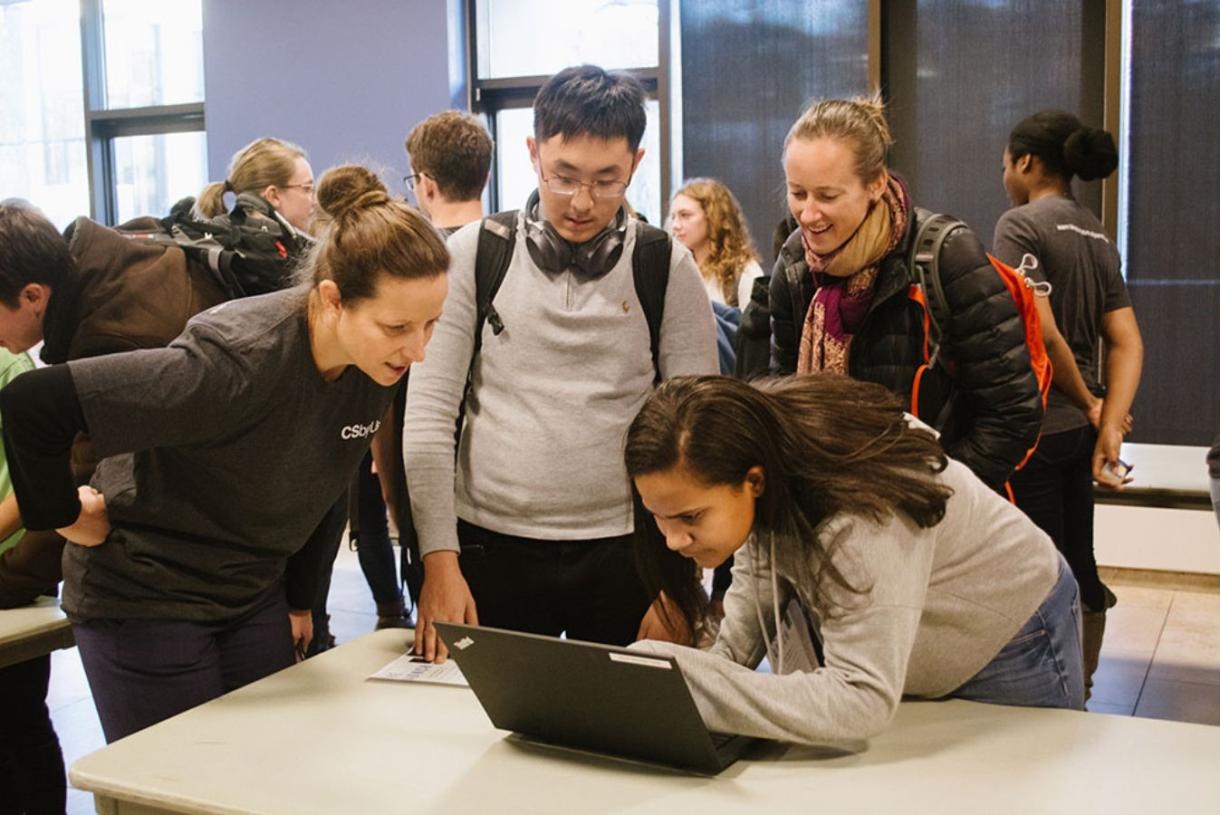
x: 308, y: 188
x: 410, y: 180
x: 562, y: 185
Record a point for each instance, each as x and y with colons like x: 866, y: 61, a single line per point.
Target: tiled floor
x: 1161, y: 659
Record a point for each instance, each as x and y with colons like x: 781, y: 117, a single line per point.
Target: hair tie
x: 229, y: 186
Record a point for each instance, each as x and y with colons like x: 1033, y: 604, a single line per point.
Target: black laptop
x: 589, y: 697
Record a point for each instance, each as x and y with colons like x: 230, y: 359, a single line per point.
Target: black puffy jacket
x: 989, y: 412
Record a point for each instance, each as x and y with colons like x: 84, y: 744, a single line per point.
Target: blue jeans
x: 1041, y: 666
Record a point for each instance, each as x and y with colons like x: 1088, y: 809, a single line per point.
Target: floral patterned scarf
x: 845, y: 281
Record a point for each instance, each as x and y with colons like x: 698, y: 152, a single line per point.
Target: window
x: 103, y: 105
x: 517, y: 44
x: 154, y: 52
x: 42, y: 130
x: 152, y: 172
x: 553, y: 34
x: 1168, y: 214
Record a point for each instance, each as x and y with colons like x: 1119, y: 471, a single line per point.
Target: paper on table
x: 413, y: 668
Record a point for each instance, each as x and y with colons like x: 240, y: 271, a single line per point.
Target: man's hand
x: 302, y: 631
x: 1105, y: 452
x: 445, y: 597
x: 93, y: 524
x: 664, y: 621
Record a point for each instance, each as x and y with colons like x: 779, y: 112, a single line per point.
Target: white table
x: 319, y: 738
x: 1165, y: 475
x: 33, y: 630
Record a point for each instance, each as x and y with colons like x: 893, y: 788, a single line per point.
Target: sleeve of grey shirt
x: 433, y: 398
x: 867, y: 647
x: 1014, y: 238
x: 688, y: 328
x: 194, y: 390
x: 1116, y: 294
x: 742, y: 636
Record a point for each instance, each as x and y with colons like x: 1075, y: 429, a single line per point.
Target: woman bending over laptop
x: 918, y: 579
x: 187, y: 573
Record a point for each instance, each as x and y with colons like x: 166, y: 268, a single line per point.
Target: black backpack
x: 649, y: 270
x: 247, y: 254
x: 497, y: 240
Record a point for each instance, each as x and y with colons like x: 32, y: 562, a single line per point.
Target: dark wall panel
x: 748, y: 69
x: 959, y: 76
x: 1173, y: 216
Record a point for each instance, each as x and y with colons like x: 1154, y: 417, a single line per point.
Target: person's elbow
x: 865, y: 710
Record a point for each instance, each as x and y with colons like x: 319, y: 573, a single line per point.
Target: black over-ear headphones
x: 555, y: 254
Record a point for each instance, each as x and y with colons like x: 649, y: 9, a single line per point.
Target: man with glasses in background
x: 450, y: 158
x: 450, y: 155
x: 537, y: 501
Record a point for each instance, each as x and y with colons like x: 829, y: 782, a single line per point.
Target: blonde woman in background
x: 270, y: 178
x: 705, y: 216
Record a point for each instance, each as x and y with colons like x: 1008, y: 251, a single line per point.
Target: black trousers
x: 1055, y: 489
x: 144, y: 671
x: 589, y: 589
x: 31, y: 764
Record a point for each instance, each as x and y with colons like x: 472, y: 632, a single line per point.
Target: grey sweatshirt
x: 552, y: 395
x: 943, y: 602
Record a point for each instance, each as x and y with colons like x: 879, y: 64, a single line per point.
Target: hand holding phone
x: 1120, y: 469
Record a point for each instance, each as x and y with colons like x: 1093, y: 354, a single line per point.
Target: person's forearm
x: 42, y: 415
x: 10, y: 517
x: 1123, y: 366
x: 1065, y: 373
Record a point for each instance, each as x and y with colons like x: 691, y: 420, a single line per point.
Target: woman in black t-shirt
x: 185, y: 576
x: 1090, y: 303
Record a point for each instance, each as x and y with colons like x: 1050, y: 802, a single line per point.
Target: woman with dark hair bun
x: 1082, y: 432
x: 918, y: 578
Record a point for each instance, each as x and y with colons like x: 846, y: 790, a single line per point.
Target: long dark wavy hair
x: 827, y: 444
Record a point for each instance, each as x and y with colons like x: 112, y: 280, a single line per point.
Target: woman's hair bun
x: 349, y: 188
x: 1090, y: 153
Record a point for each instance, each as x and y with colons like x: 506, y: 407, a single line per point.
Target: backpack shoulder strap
x: 650, y: 272
x: 497, y: 238
x: 933, y: 229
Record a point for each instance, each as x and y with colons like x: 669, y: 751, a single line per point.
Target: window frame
x: 489, y: 96
x: 104, y: 124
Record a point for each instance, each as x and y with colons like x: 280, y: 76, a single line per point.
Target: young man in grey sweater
x: 537, y: 500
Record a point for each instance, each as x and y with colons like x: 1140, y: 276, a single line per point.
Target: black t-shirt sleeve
x: 42, y: 415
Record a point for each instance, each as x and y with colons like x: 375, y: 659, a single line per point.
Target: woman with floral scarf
x: 841, y: 294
